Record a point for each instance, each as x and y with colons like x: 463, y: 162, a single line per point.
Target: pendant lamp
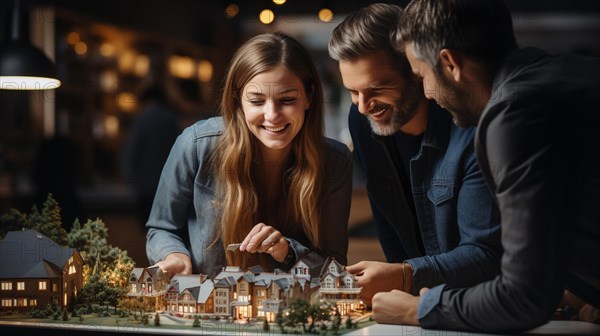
x: 22, y: 65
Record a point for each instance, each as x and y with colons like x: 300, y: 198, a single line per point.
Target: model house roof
x: 331, y: 266
x: 30, y: 254
x: 283, y: 283
x: 152, y: 270
x: 225, y: 282
x: 205, y: 289
x: 137, y: 272
x: 256, y: 269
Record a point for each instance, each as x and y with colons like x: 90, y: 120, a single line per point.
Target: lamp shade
x: 25, y: 67
x: 22, y: 65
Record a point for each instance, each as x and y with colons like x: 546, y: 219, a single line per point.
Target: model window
x: 20, y: 285
x: 42, y: 285
x: 6, y: 285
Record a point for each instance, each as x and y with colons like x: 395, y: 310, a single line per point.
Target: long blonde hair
x: 236, y: 155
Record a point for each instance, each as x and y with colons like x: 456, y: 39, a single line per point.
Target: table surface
x: 550, y: 328
x: 51, y: 329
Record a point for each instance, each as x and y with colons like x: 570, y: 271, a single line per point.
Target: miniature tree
x: 266, y: 325
x: 348, y: 323
x: 50, y: 222
x: 90, y: 241
x: 196, y: 323
x: 13, y: 220
x: 280, y: 322
x: 318, y: 312
x: 298, y: 313
x: 65, y: 315
x: 337, y: 320
x: 145, y: 319
x: 107, y: 267
x: 156, y: 320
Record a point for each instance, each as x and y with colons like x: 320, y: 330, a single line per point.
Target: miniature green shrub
x: 65, y: 315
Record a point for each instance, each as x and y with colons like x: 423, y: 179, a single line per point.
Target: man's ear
x: 451, y: 63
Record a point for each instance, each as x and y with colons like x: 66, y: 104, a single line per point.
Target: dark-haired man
x: 538, y: 148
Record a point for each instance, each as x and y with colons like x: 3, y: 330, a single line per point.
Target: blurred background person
x: 152, y: 135
x: 57, y: 167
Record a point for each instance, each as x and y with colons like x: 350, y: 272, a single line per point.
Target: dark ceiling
x: 200, y: 20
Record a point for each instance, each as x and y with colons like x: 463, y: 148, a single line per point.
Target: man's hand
x: 396, y: 307
x: 375, y: 277
x: 266, y: 239
x: 175, y: 263
x: 580, y: 310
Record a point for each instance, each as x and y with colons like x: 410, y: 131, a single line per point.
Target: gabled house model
x: 35, y: 271
x: 237, y: 294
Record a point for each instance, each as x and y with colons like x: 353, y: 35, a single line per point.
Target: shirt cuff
x: 423, y: 274
x: 299, y: 251
x: 429, y: 300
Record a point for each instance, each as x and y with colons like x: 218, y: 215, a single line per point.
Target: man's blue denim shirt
x: 458, y: 220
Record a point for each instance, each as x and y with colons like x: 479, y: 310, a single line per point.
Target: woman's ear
x: 451, y: 62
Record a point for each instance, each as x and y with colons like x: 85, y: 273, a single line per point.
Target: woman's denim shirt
x: 184, y: 218
x: 458, y: 221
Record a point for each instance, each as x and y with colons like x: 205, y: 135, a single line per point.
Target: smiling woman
x: 263, y: 175
x: 274, y: 104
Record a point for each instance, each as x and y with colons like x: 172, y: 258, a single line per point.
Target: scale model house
x: 239, y: 295
x: 36, y: 271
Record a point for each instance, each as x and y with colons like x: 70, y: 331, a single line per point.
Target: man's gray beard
x: 401, y: 115
x: 385, y: 129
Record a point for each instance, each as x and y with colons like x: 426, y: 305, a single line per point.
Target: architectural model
x: 246, y: 294
x: 37, y: 272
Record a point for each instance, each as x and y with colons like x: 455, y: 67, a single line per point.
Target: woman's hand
x: 266, y: 239
x: 175, y: 263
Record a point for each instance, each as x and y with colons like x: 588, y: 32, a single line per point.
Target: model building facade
x: 244, y: 294
x: 36, y: 271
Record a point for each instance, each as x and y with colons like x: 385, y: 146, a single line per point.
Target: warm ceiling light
x: 205, y: 71
x: 325, y: 15
x: 182, y: 66
x: 141, y: 66
x: 23, y: 66
x: 81, y: 48
x: 231, y: 10
x: 73, y: 38
x: 126, y: 61
x: 279, y: 2
x: 127, y: 102
x: 107, y: 49
x: 266, y: 16
x: 111, y: 126
x: 109, y: 80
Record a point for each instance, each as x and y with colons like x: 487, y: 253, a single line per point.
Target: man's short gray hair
x: 482, y: 29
